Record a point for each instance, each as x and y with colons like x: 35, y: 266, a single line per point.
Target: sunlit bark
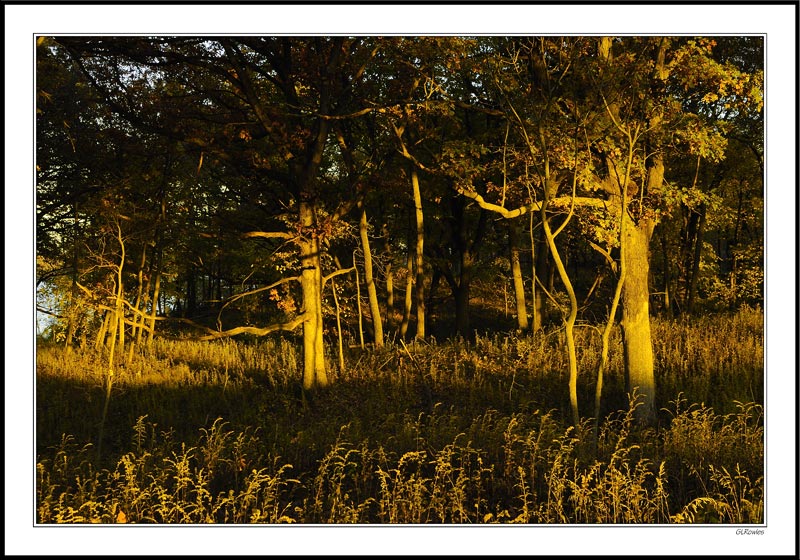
x: 314, y: 373
x: 372, y: 293
x: 419, y: 254
x: 516, y: 276
x: 638, y: 346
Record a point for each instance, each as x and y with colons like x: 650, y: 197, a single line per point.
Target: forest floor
x: 435, y: 432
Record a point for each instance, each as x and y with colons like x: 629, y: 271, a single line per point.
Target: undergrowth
x: 449, y: 432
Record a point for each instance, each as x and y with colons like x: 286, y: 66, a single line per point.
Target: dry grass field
x: 441, y: 432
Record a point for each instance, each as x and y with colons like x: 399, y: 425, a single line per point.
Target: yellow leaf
x: 121, y: 517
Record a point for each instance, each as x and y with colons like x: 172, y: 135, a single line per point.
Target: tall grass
x: 449, y: 432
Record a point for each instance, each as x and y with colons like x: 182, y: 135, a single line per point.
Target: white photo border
x: 777, y: 22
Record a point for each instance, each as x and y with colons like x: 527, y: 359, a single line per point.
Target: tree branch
x: 268, y: 235
x: 338, y: 273
x: 233, y: 298
x: 562, y: 201
x: 257, y: 331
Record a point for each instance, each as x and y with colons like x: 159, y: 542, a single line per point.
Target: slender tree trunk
x: 117, y: 321
x: 72, y: 314
x: 667, y: 272
x: 158, y: 251
x: 408, y: 300
x: 121, y: 319
x: 358, y: 306
x: 545, y: 273
x: 420, y: 249
x: 144, y: 313
x: 516, y: 275
x: 156, y: 293
x: 536, y: 318
x: 372, y: 293
x: 72, y: 307
x: 389, y: 279
x: 191, y: 294
x: 622, y: 212
x: 338, y: 326
x: 569, y: 320
x: 695, y: 271
x: 135, y: 330
x: 218, y: 282
x: 100, y: 341
x: 688, y: 236
x: 432, y: 287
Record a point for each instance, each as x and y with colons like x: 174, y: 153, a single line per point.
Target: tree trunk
x: 667, y: 272
x: 462, y: 308
x: 191, y: 295
x: 695, y: 270
x: 516, y: 275
x: 466, y: 246
x: 432, y: 287
x: 72, y: 306
x: 637, y: 343
x: 100, y: 341
x: 121, y: 319
x: 389, y: 279
x: 420, y: 261
x: 136, y: 333
x: 72, y: 313
x: 314, y: 374
x: 636, y: 338
x: 569, y: 320
x: 545, y: 273
x: 408, y: 301
x: 144, y: 312
x: 372, y: 293
x: 156, y: 293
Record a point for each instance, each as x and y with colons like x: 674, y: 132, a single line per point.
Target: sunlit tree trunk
x: 121, y: 320
x: 569, y: 320
x: 156, y: 294
x: 144, y: 313
x: 117, y: 322
x: 136, y: 335
x: 372, y: 293
x: 516, y: 275
x: 419, y: 255
x: 637, y: 342
x: 314, y: 373
x: 100, y: 341
x: 635, y: 257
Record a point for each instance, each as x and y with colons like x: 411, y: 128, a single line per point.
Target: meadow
x: 449, y: 432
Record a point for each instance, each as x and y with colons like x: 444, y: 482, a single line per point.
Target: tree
x: 630, y: 85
